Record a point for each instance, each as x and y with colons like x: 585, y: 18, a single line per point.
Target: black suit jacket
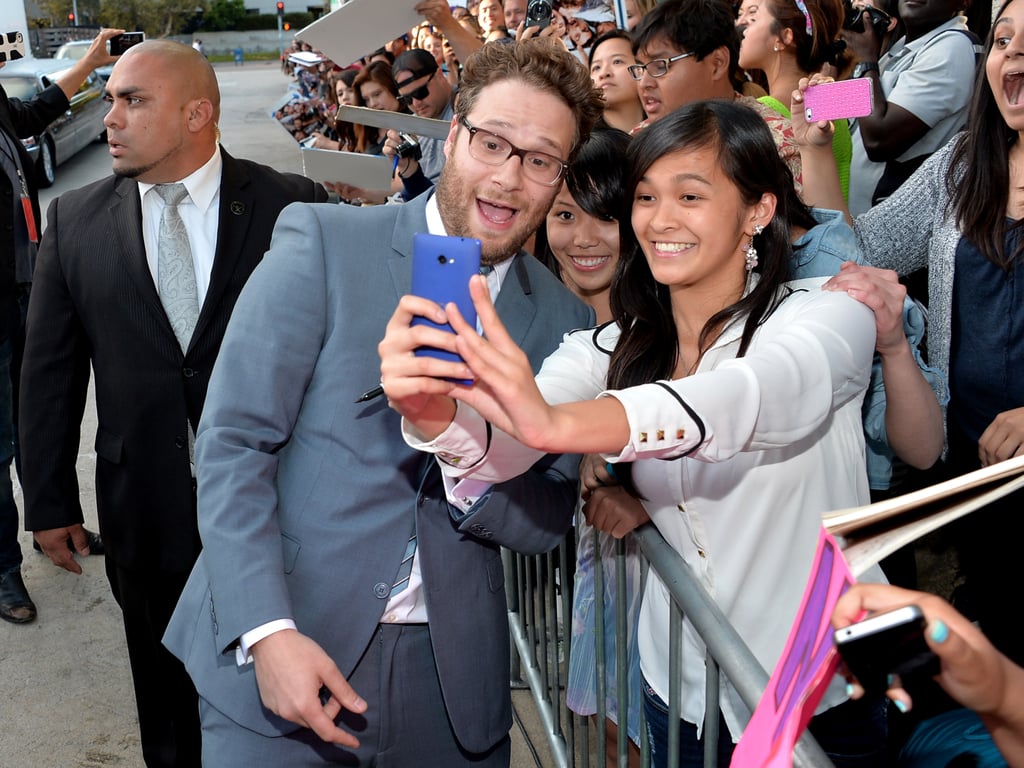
x: 94, y: 303
x: 19, y: 120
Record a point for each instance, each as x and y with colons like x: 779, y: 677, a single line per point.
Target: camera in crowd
x: 409, y: 148
x: 538, y: 13
x: 854, y: 19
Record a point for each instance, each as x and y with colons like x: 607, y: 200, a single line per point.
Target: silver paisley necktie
x: 176, y: 274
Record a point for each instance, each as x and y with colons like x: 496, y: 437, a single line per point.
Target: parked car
x: 80, y: 125
x: 75, y: 49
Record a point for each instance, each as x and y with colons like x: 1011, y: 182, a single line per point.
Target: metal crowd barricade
x: 539, y: 591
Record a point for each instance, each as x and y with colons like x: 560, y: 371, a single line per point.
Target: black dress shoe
x: 15, y: 604
x: 95, y: 543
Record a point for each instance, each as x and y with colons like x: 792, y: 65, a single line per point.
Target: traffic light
x: 280, y: 10
x: 71, y: 19
x: 287, y: 26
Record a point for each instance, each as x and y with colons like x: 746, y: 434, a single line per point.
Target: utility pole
x: 280, y: 28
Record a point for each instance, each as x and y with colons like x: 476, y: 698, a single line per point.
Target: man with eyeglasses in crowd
x: 298, y: 625
x: 686, y: 51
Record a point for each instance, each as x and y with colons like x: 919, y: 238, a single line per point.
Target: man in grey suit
x: 100, y: 301
x: 307, y: 643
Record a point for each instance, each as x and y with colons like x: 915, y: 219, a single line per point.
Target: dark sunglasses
x: 419, y: 94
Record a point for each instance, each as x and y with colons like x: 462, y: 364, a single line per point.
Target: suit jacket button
x: 381, y: 590
x: 189, y: 373
x: 179, y: 442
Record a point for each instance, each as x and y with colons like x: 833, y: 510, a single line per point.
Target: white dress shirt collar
x: 202, y: 184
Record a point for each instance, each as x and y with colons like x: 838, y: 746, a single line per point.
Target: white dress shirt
x: 200, y: 212
x: 772, y: 440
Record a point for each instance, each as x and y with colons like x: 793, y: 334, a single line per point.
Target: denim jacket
x: 820, y: 252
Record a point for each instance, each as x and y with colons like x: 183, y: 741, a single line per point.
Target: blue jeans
x: 852, y: 734
x: 691, y: 749
x: 10, y: 549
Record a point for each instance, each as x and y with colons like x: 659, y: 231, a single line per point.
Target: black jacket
x: 19, y: 120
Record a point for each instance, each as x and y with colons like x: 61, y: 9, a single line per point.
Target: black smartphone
x: 121, y: 43
x: 441, y: 269
x: 890, y: 643
x: 12, y: 46
x: 854, y: 19
x: 538, y: 13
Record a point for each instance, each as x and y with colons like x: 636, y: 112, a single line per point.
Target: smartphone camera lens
x: 442, y: 259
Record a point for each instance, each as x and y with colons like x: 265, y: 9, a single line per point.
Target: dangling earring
x: 750, y: 251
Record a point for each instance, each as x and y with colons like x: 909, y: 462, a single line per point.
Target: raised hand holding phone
x: 838, y: 100
x: 886, y: 645
x: 441, y: 270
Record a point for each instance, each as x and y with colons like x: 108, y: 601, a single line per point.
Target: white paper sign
x: 399, y: 121
x: 359, y: 28
x: 355, y: 168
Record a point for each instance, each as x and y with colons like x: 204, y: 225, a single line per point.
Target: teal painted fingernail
x: 889, y: 680
x: 849, y: 689
x: 939, y: 631
x: 901, y: 706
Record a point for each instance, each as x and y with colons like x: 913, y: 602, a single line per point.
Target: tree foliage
x: 157, y: 18
x: 223, y: 14
x: 58, y: 10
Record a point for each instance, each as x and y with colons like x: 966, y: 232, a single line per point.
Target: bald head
x: 165, y: 103
x: 189, y: 71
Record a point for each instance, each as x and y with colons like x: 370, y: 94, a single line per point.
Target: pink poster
x: 805, y: 668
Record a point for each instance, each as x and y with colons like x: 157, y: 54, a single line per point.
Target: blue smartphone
x: 441, y: 269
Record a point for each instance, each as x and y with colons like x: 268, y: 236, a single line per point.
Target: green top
x: 842, y: 145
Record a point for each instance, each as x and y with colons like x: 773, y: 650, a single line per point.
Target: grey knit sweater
x: 914, y: 228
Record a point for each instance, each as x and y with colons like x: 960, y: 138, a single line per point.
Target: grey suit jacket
x: 306, y: 499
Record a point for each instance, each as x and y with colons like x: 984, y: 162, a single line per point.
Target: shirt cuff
x: 464, y: 495
x: 243, y: 653
x: 662, y: 425
x: 460, y: 447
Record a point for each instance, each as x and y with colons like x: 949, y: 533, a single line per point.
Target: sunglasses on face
x: 419, y: 94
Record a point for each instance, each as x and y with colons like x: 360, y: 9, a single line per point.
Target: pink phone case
x: 839, y: 100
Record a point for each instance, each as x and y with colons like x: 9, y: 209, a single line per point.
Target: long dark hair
x: 348, y: 134
x: 595, y: 180
x: 648, y: 349
x: 978, y: 199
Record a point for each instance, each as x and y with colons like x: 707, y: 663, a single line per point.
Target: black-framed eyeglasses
x: 655, y: 67
x: 492, y: 149
x: 419, y: 94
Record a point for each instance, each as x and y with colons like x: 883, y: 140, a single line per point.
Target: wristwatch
x: 861, y: 68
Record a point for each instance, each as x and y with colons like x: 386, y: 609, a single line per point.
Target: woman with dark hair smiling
x: 725, y: 394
